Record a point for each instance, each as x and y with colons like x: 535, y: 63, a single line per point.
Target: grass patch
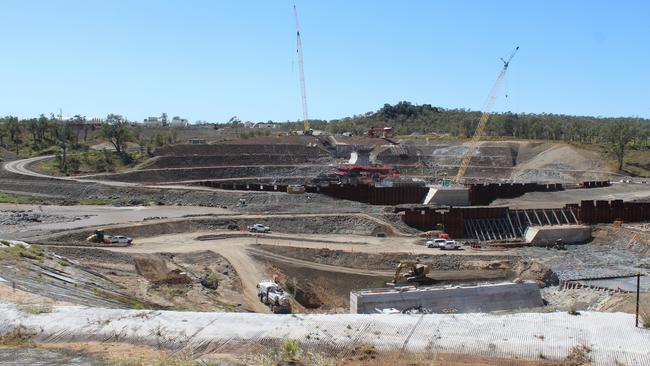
x: 95, y: 201
x: 129, y: 301
x: 578, y: 356
x: 18, y: 199
x: 32, y: 252
x: 18, y: 337
x: 35, y: 309
x: 165, y: 360
x: 63, y: 263
x: 289, y: 353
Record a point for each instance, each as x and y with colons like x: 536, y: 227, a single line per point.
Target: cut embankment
x: 358, y: 224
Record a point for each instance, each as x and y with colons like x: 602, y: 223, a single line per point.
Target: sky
x: 211, y: 60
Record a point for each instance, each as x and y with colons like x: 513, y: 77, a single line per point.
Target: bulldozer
x: 414, y: 273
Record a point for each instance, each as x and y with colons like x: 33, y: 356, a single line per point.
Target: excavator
x: 415, y: 273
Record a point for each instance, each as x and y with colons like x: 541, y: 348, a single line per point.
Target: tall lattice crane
x: 480, y: 128
x: 301, y: 67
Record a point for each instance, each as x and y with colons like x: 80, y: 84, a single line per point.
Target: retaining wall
x: 570, y: 234
x: 466, y: 299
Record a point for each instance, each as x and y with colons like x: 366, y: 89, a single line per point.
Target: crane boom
x: 480, y: 128
x: 301, y: 67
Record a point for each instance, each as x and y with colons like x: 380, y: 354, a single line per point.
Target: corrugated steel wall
x: 592, y: 212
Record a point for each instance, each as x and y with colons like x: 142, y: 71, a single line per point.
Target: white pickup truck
x: 450, y: 245
x: 259, y: 228
x: 436, y: 243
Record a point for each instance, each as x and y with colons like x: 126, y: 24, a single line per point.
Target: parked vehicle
x: 121, y: 239
x: 436, y: 243
x: 450, y: 245
x: 258, y: 228
x: 272, y: 295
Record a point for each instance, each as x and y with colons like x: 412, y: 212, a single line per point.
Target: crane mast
x: 301, y: 67
x: 480, y: 128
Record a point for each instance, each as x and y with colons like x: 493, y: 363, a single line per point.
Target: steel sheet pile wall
x: 595, y: 184
x: 452, y: 221
x: 484, y: 194
x: 245, y: 186
x: 377, y: 195
x: 590, y: 212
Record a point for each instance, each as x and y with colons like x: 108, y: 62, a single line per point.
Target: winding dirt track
x: 238, y: 251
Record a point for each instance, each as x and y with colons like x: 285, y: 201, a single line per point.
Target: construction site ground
x: 192, y: 262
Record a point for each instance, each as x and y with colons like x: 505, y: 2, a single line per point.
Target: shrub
x: 573, y: 309
x: 17, y: 337
x: 290, y: 349
x: 35, y: 309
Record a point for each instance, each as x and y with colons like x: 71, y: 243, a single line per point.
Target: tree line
x: 69, y: 140
x: 618, y: 133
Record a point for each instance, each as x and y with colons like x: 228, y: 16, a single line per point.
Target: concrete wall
x: 467, y: 299
x: 542, y: 235
x: 447, y: 196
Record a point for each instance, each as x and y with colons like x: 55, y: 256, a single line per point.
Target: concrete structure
x: 447, y: 196
x: 152, y: 122
x: 179, y: 122
x: 449, y: 299
x: 265, y: 125
x: 361, y: 156
x: 570, y: 234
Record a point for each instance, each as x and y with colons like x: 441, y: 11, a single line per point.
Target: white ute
x: 271, y: 295
x: 436, y: 243
x: 450, y: 245
x: 121, y: 239
x: 258, y: 228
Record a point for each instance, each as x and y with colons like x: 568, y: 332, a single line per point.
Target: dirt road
x: 238, y: 251
x: 88, y: 216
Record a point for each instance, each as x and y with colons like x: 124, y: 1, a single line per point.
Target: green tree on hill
x: 619, y: 135
x: 116, y: 131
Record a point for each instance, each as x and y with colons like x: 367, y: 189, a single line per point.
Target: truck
x: 436, y: 243
x: 450, y: 245
x: 258, y: 228
x: 272, y: 295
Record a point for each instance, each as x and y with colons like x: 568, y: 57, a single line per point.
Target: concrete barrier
x: 570, y: 234
x: 449, y: 299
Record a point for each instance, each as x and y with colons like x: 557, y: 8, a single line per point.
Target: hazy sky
x: 211, y: 60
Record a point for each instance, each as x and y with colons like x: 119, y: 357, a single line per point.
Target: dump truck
x: 272, y: 295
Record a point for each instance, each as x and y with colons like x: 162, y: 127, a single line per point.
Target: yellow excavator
x: 413, y: 273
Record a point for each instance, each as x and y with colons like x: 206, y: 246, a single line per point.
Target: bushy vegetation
x: 253, y: 133
x: 69, y: 141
